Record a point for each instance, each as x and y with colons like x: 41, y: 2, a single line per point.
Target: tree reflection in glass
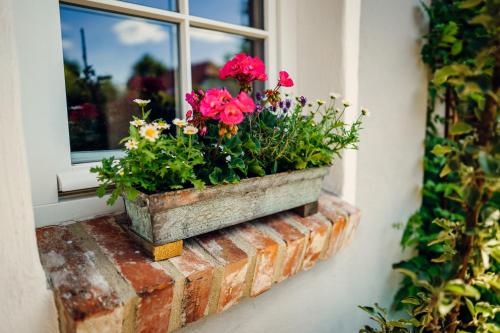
x: 210, y: 50
x: 109, y: 60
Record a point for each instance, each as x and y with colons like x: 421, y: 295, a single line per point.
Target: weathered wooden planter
x: 161, y: 221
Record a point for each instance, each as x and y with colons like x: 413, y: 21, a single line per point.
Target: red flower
x: 245, y: 102
x: 244, y: 68
x: 194, y: 100
x: 232, y: 114
x: 285, y: 79
x: 213, y: 102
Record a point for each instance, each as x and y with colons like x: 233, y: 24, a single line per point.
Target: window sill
x: 102, y: 280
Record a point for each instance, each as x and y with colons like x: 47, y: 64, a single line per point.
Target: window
x: 116, y: 50
x: 109, y: 60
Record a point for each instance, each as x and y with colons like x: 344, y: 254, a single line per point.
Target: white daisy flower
x: 115, y: 163
x: 346, y: 103
x: 137, y: 122
x: 320, y: 101
x: 120, y: 172
x: 179, y: 122
x: 228, y: 158
x: 141, y: 102
x: 131, y: 144
x: 161, y: 125
x: 334, y: 95
x: 365, y: 112
x: 190, y: 130
x: 149, y: 132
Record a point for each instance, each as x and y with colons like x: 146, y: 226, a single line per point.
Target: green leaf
x: 197, y: 183
x: 458, y: 287
x: 442, y: 75
x: 132, y: 193
x: 215, y: 176
x: 445, y: 171
x: 461, y: 128
x: 482, y: 19
x: 466, y: 4
x: 470, y: 306
x: 440, y: 150
x: 411, y: 300
x: 457, y: 47
x: 101, y: 191
x: 255, y: 168
x: 238, y: 163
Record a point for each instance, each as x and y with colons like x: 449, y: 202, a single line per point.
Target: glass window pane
x: 161, y: 4
x: 109, y: 60
x: 242, y: 12
x: 209, y: 52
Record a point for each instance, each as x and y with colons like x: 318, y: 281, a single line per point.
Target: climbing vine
x: 452, y: 283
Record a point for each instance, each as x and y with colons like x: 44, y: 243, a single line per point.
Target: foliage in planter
x: 451, y: 284
x: 224, y: 138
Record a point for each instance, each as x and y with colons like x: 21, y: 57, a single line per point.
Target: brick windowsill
x: 102, y: 282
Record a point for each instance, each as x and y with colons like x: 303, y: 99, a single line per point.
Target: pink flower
x: 213, y: 102
x: 245, y: 102
x: 189, y: 114
x: 285, y: 79
x: 204, y: 131
x: 244, y: 68
x: 232, y: 114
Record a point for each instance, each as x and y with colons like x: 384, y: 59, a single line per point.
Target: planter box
x: 161, y: 221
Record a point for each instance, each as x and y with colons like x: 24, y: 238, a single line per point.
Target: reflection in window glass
x: 209, y: 52
x: 109, y: 60
x: 161, y: 4
x: 242, y: 12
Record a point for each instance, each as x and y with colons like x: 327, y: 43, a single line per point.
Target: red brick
x: 84, y: 297
x: 353, y: 218
x: 266, y: 252
x: 295, y: 244
x: 338, y: 219
x: 319, y: 234
x: 198, y: 275
x: 233, y: 266
x: 149, y: 280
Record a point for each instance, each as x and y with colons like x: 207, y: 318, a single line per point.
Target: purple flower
x: 273, y: 108
x: 258, y: 107
x: 288, y: 103
x: 281, y: 104
x: 259, y: 96
x: 302, y: 100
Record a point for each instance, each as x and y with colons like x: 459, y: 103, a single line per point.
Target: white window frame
x: 61, y: 175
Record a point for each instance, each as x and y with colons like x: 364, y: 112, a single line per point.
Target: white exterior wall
x: 365, y: 49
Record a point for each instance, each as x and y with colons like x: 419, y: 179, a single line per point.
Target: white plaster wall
x: 391, y: 83
x: 27, y: 305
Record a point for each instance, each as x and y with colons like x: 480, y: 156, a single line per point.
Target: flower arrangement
x: 225, y: 138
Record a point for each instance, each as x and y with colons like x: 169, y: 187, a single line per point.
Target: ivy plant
x: 451, y: 283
